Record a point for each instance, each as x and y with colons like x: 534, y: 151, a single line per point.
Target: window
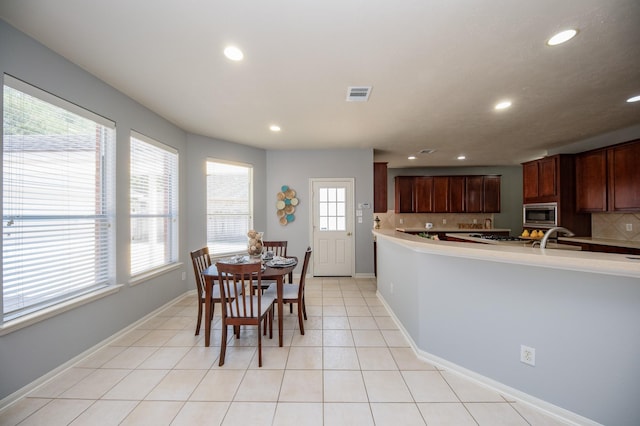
x: 332, y: 203
x: 57, y: 200
x: 229, y: 206
x: 154, y: 204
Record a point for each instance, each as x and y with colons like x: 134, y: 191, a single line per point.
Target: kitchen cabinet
x: 379, y: 187
x: 423, y: 194
x: 404, y: 194
x: 447, y: 194
x: 608, y: 179
x: 540, y: 180
x: 624, y: 177
x: 482, y: 194
x: 491, y: 194
x: 553, y: 180
x: 591, y: 181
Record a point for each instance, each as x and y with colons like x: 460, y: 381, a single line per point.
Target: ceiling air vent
x: 358, y: 93
x: 427, y: 151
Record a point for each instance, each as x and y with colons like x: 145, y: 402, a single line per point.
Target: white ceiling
x: 436, y: 67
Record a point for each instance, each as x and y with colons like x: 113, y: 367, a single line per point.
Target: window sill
x: 139, y: 279
x: 51, y: 311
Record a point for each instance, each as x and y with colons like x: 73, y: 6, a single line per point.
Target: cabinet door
x: 440, y: 194
x: 457, y: 194
x: 591, y: 181
x: 624, y: 177
x: 379, y: 187
x: 547, y: 177
x: 530, y: 181
x: 423, y: 194
x: 474, y: 200
x: 404, y: 194
x: 491, y: 194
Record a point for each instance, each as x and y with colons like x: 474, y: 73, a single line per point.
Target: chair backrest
x: 305, y: 265
x: 279, y: 248
x: 235, y: 280
x: 201, y: 261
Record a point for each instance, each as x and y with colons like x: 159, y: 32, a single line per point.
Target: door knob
x: 348, y: 234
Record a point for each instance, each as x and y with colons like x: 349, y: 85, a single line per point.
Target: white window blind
x: 154, y: 204
x: 229, y: 206
x: 57, y: 200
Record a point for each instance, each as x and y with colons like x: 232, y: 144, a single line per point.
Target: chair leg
x: 199, y: 318
x: 271, y: 315
x: 259, y: 347
x: 304, y: 308
x: 223, y: 344
x: 300, y: 314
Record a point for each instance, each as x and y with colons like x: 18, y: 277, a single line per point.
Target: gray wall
x: 510, y: 215
x: 477, y: 313
x: 30, y: 352
x: 295, y: 168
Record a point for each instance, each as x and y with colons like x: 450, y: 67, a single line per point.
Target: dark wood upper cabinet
x: 441, y: 194
x: 540, y: 180
x: 423, y: 194
x: 379, y: 187
x: 447, y: 194
x: 491, y: 193
x: 624, y: 177
x: 474, y: 198
x: 404, y: 194
x: 608, y: 179
x: 591, y: 181
x: 457, y: 188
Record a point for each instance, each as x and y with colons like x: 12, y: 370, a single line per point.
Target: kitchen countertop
x: 456, y: 230
x: 599, y: 263
x: 602, y: 242
x: 524, y: 243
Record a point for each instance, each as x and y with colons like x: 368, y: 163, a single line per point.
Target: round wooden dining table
x: 270, y: 273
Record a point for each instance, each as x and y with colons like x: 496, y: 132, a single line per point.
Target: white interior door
x: 332, y: 227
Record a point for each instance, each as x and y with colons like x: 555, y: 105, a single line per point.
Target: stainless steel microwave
x: 540, y: 215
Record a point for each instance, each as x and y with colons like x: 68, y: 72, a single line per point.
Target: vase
x: 254, y: 245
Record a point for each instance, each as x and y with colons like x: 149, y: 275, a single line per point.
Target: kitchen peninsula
x: 469, y: 307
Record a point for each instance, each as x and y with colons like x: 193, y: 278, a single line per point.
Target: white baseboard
x: 551, y: 410
x: 42, y: 380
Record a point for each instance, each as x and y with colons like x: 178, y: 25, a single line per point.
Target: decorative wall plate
x: 285, y: 204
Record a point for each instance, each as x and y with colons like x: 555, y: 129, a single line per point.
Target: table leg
x: 207, y: 311
x: 279, y: 282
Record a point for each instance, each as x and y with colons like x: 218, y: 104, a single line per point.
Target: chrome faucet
x: 558, y: 229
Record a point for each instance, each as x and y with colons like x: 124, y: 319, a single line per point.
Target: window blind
x: 229, y: 206
x: 153, y: 204
x: 57, y: 200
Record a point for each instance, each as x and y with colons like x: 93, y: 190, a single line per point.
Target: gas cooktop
x: 496, y: 237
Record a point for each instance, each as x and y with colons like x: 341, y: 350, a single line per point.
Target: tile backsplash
x: 391, y: 220
x: 613, y: 226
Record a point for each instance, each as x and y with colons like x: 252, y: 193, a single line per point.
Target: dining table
x: 269, y: 273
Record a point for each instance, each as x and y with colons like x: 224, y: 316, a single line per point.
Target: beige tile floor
x: 352, y: 367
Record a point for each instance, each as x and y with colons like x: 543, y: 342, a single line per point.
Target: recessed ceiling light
x: 562, y: 37
x: 502, y: 105
x: 411, y: 157
x: 461, y: 157
x: 233, y: 53
x: 274, y: 128
x: 634, y: 99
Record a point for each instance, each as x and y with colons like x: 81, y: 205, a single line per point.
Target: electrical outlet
x: 401, y: 221
x: 629, y: 227
x: 184, y: 276
x: 391, y: 288
x: 444, y: 221
x: 475, y: 221
x: 528, y: 355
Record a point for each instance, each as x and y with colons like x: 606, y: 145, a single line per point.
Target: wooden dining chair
x: 279, y: 248
x: 294, y: 293
x: 201, y: 260
x: 241, y: 305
